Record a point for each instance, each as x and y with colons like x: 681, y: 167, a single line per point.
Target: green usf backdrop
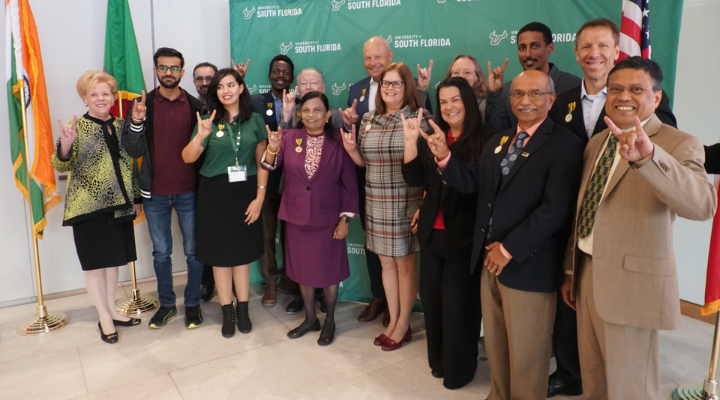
x: 329, y: 35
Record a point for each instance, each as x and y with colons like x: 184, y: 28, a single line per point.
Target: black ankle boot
x: 228, y: 327
x: 243, y: 317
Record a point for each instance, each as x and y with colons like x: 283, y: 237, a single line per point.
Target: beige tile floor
x: 176, y: 363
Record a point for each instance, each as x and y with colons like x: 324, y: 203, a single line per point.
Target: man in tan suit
x: 621, y: 274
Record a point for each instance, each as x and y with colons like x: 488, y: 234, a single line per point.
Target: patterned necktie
x: 507, y: 163
x: 595, y: 188
x: 512, y: 154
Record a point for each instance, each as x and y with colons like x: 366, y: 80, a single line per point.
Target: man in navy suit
x: 361, y: 99
x: 527, y: 179
x: 581, y: 110
x: 269, y: 106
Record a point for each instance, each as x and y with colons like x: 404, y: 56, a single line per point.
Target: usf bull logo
x: 336, y: 4
x: 495, y: 38
x: 252, y: 89
x: 389, y: 39
x: 338, y: 89
x: 249, y: 13
x: 284, y: 49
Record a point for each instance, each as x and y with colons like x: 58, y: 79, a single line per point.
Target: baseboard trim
x: 692, y: 310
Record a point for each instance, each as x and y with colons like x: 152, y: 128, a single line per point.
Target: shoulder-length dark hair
x: 470, y: 144
x: 411, y: 98
x: 329, y: 131
x: 213, y: 102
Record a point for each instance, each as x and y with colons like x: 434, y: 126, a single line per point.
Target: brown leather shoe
x: 287, y: 286
x: 373, y: 310
x: 270, y: 297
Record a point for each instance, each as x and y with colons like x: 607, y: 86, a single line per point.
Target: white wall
x: 696, y: 107
x: 72, y: 35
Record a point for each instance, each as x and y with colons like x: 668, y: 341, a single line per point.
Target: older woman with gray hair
x: 309, y: 80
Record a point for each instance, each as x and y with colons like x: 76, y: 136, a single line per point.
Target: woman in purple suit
x: 320, y: 195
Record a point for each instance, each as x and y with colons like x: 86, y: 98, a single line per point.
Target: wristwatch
x: 345, y: 219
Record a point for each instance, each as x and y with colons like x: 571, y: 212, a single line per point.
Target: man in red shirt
x: 167, y: 182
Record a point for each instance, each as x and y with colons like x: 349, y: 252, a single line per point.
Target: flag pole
x: 708, y: 390
x: 136, y: 304
x: 43, y: 322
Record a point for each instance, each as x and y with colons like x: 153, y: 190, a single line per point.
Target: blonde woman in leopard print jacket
x: 101, y: 197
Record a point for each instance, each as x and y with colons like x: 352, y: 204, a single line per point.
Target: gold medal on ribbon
x: 571, y: 108
x: 502, y: 142
x: 220, y: 133
x: 362, y: 98
x: 298, y: 148
x: 269, y: 111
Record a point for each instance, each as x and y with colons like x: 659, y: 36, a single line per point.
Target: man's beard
x: 167, y: 85
x: 203, y: 91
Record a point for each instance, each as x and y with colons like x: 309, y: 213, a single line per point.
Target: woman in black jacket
x: 450, y: 294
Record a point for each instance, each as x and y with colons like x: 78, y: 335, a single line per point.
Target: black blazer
x: 260, y: 105
x: 532, y: 208
x: 458, y: 209
x: 559, y: 112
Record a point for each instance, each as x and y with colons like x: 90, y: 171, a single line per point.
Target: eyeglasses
x: 464, y: 74
x: 164, y: 68
x: 395, y: 84
x: 201, y: 79
x: 633, y: 90
x: 533, y: 94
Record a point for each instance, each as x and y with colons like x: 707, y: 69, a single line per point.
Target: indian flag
x: 24, y: 69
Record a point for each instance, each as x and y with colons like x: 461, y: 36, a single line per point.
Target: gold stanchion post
x: 43, y: 322
x: 136, y: 304
x: 708, y: 390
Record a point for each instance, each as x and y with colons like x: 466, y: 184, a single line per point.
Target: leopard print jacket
x: 93, y: 187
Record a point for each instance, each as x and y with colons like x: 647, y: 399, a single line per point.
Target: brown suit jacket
x: 634, y: 274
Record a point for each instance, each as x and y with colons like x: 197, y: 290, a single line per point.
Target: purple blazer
x: 332, y: 190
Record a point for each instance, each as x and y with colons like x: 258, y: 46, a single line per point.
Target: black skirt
x: 103, y: 243
x: 223, y: 239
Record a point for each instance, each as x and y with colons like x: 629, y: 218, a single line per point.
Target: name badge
x: 237, y: 173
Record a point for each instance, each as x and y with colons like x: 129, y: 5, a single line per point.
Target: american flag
x: 635, y: 29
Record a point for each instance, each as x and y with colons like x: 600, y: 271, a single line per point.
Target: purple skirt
x: 313, y: 258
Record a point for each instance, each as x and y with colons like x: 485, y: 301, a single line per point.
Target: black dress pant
x: 269, y: 212
x: 371, y: 259
x: 565, y: 342
x: 450, y: 297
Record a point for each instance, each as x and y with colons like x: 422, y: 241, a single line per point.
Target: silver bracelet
x: 262, y: 187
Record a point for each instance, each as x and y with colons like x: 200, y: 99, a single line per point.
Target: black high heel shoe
x: 327, y: 335
x: 111, y: 338
x: 131, y: 322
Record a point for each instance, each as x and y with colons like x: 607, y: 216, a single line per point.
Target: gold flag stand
x: 43, y: 322
x: 708, y: 390
x: 136, y: 304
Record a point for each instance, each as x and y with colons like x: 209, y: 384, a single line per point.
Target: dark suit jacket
x: 458, y: 209
x: 498, y: 111
x: 332, y: 189
x: 260, y: 105
x: 577, y: 124
x: 531, y: 209
x: 356, y: 92
x: 712, y: 159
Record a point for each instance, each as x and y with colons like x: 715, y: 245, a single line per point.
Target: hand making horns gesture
x: 411, y: 127
x: 139, y: 110
x: 349, y: 115
x: 495, y: 77
x: 436, y: 141
x: 274, y: 139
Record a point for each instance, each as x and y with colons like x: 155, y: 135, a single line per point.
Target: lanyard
x: 236, y: 143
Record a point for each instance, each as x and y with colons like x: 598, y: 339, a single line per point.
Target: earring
x: 328, y: 120
x: 85, y: 104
